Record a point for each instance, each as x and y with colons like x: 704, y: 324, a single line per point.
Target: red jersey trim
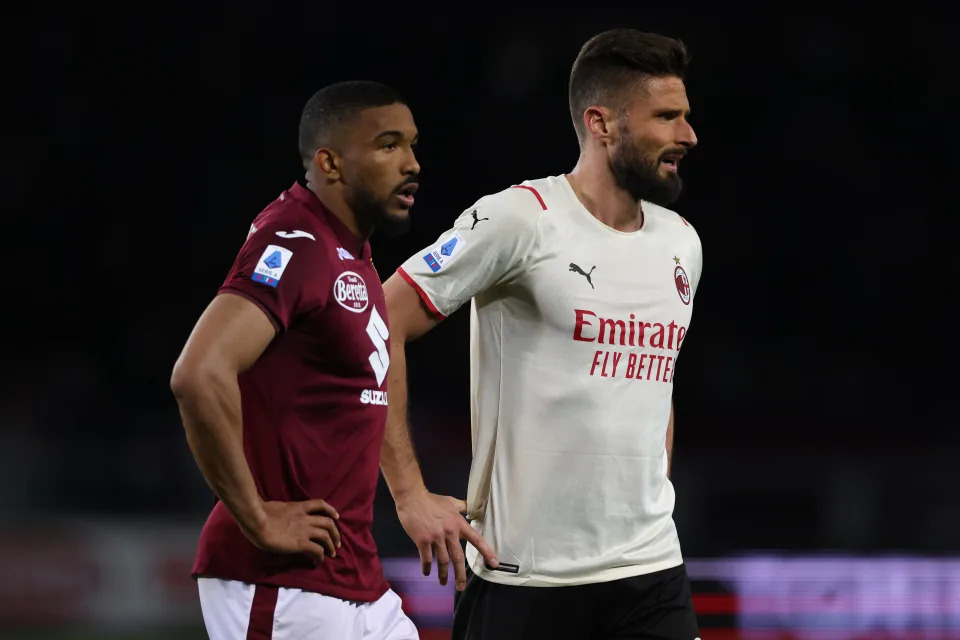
x: 534, y: 192
x: 420, y: 292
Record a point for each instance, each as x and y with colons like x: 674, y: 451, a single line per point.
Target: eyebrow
x: 662, y: 112
x: 396, y: 134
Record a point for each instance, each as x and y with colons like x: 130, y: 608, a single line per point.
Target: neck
x: 596, y: 189
x: 332, y: 198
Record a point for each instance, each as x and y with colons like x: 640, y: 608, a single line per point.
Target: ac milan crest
x: 683, y: 284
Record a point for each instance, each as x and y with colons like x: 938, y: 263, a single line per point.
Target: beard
x: 639, y: 175
x: 373, y: 213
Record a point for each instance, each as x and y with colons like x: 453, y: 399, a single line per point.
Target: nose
x: 686, y: 136
x: 411, y: 166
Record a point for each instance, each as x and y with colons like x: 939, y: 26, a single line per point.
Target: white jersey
x: 575, y: 331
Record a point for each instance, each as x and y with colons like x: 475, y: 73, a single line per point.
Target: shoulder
x: 520, y: 205
x: 289, y: 223
x: 286, y: 216
x: 670, y: 220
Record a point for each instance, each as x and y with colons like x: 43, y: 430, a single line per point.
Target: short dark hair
x: 611, y: 62
x: 335, y: 104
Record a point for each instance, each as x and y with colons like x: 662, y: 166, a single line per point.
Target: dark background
x: 815, y: 398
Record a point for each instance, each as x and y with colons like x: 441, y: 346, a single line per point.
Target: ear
x: 600, y: 123
x: 327, y: 163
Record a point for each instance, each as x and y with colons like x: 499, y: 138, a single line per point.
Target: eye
x: 390, y: 146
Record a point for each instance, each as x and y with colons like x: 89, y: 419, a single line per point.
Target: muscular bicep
x: 230, y: 335
x: 408, y: 313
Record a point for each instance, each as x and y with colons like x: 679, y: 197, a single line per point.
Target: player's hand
x: 435, y: 524
x: 307, y: 527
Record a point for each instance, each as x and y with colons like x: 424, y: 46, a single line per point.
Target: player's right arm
x: 434, y: 522
x: 409, y: 319
x: 229, y: 337
x: 487, y: 245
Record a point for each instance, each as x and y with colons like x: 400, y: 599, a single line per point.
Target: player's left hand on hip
x: 436, y: 524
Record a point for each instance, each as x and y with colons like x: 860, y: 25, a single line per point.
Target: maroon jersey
x: 314, y: 404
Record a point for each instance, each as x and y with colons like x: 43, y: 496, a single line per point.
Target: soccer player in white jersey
x: 580, y: 288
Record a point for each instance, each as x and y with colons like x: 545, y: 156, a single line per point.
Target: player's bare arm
x: 433, y: 522
x: 229, y: 337
x: 409, y: 319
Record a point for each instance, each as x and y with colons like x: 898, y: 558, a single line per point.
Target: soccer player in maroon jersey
x: 282, y: 388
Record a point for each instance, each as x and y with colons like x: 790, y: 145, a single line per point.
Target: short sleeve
x: 489, y: 243
x: 285, y: 277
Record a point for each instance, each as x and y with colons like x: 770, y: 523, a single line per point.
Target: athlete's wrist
x: 252, y: 518
x: 406, y: 495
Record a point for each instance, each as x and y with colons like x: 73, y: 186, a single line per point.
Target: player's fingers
x: 458, y: 504
x: 328, y: 524
x: 426, y: 557
x: 319, y: 506
x: 443, y: 561
x: 471, y: 535
x: 322, y: 536
x: 457, y: 558
x: 315, y: 551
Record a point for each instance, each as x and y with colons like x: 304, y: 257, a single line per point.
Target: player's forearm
x: 398, y: 459
x: 212, y: 418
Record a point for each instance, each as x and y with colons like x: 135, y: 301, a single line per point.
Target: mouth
x: 671, y: 161
x: 405, y: 193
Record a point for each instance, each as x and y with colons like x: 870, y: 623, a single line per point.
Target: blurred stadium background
x: 817, y: 442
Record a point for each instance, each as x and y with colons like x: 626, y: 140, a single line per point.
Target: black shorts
x: 655, y: 606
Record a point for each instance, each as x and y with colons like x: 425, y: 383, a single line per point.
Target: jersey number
x: 379, y: 359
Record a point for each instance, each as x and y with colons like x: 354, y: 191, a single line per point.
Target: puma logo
x: 574, y: 267
x: 476, y: 219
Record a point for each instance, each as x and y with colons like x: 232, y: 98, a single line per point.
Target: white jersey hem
x: 606, y: 575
